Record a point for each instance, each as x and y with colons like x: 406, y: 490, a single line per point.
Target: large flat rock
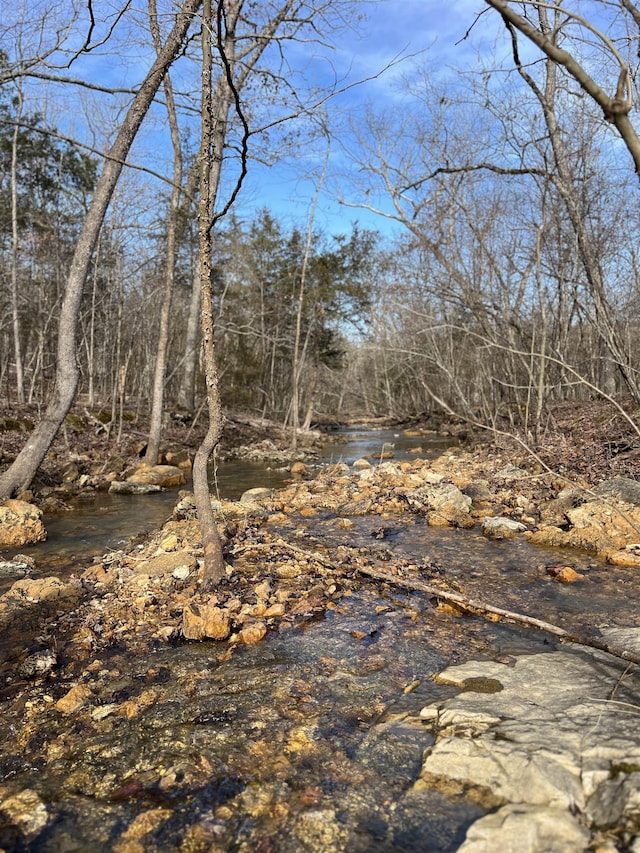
x: 545, y: 735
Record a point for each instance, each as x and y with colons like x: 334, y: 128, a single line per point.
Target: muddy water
x: 309, y: 741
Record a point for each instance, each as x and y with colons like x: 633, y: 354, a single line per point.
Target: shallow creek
x: 308, y: 741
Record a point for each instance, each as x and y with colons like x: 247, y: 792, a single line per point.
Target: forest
x: 496, y: 276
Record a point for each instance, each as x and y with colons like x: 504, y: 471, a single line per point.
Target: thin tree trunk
x: 188, y: 389
x: 211, y: 152
x: 157, y: 401
x: 22, y: 471
x: 15, y: 254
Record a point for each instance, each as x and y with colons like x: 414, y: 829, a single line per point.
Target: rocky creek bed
x: 306, y: 706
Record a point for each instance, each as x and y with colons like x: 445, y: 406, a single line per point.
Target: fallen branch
x: 482, y: 609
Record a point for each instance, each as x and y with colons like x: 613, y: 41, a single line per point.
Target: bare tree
x: 21, y: 472
x: 615, y: 107
x: 157, y: 399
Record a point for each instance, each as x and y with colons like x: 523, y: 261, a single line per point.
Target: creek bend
x: 310, y: 740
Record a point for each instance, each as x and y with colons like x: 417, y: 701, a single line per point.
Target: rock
x: 444, y: 505
x: 118, y: 487
x: 165, y: 476
x: 361, y: 464
x: 27, y: 812
x: 252, y: 634
x: 298, y: 468
x: 502, y: 528
x: 38, y: 664
x: 478, y: 491
x: 205, y: 621
x: 622, y: 488
x: 555, y: 512
x: 20, y: 524
x: 74, y: 700
x: 596, y: 526
x: 20, y: 565
x: 252, y: 495
x: 548, y: 744
x: 166, y: 564
x: 28, y: 591
x: 527, y: 829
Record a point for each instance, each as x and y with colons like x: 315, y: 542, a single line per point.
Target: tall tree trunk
x: 211, y: 153
x: 157, y: 400
x: 15, y: 253
x: 22, y: 471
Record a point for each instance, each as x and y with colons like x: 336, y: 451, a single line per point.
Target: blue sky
x: 408, y: 33
x: 418, y: 31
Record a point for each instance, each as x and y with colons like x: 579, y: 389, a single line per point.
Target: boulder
x: 548, y: 749
x: 497, y: 527
x: 20, y: 524
x: 444, y: 505
x: 621, y: 488
x: 165, y: 476
x: 527, y: 829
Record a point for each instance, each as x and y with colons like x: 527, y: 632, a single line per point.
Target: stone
x: 252, y: 495
x: 74, y: 700
x: 20, y: 524
x: 252, y: 634
x: 443, y: 504
x: 548, y: 747
x: 117, y: 487
x: 26, y: 811
x: 498, y: 527
x: 166, y: 564
x: 526, y: 829
x: 165, y: 476
x: 361, y: 464
x: 478, y: 491
x: 621, y: 488
x: 298, y: 468
x: 200, y: 621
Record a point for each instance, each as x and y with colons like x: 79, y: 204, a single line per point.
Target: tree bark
x: 157, y: 399
x: 22, y: 471
x: 211, y: 153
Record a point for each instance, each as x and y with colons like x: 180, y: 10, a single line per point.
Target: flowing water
x: 310, y: 740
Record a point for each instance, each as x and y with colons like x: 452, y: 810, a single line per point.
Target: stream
x: 308, y: 741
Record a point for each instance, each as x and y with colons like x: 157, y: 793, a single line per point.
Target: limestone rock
x: 478, y: 491
x: 622, y: 488
x: 547, y: 746
x: 166, y: 564
x: 118, y: 487
x: 165, y: 476
x: 443, y: 505
x: 253, y: 495
x: 527, y: 829
x: 502, y: 528
x: 362, y: 464
x: 20, y: 524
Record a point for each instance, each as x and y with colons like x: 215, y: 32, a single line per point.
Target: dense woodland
x: 508, y: 282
